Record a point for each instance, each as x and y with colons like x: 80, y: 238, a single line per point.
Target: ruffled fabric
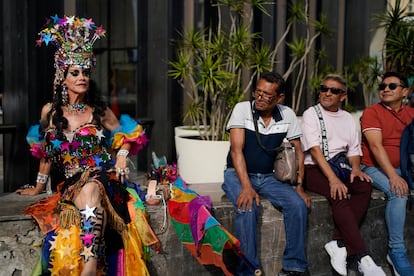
x: 128, y: 132
x: 35, y: 140
x: 137, y: 213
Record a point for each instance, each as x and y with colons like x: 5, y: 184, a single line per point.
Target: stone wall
x: 20, y: 240
x: 176, y: 260
x: 20, y: 243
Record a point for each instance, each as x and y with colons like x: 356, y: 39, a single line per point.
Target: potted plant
x: 213, y: 67
x: 216, y: 68
x: 399, y: 39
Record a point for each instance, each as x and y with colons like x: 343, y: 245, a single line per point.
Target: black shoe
x: 291, y: 273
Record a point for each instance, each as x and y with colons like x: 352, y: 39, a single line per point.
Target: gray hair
x: 337, y: 78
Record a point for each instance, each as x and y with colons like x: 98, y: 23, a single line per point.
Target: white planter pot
x: 185, y: 131
x: 199, y: 161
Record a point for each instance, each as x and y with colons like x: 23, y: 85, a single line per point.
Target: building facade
x: 132, y: 61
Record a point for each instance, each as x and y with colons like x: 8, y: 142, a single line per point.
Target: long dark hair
x: 92, y: 98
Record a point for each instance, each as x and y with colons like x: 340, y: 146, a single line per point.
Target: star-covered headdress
x: 74, y: 38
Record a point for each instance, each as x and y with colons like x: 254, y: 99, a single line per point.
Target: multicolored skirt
x: 127, y: 233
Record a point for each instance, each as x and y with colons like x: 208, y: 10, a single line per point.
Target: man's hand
x: 338, y: 189
x: 303, y: 195
x: 363, y: 176
x: 398, y: 185
x: 246, y: 198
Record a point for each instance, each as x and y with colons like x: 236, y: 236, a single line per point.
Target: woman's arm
x: 111, y: 123
x: 44, y: 165
x: 41, y: 179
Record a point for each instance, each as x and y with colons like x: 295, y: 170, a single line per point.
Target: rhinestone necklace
x: 76, y: 108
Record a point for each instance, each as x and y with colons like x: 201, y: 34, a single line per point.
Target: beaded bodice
x: 75, y: 151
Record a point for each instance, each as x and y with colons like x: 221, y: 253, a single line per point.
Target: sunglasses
x: 334, y: 90
x: 391, y: 85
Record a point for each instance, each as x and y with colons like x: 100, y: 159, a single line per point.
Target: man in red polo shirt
x: 382, y: 125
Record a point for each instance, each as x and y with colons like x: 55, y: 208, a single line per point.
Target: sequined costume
x: 84, y: 155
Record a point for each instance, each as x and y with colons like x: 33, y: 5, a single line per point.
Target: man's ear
x: 344, y: 96
x: 280, y: 98
x: 405, y: 92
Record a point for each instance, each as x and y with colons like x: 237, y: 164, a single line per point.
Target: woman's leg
x: 93, y: 220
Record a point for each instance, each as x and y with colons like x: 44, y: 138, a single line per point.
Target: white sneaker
x: 368, y: 267
x: 338, y: 256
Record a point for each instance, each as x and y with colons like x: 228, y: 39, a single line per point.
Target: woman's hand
x: 30, y: 190
x: 122, y: 171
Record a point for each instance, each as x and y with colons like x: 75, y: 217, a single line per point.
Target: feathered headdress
x: 74, y: 38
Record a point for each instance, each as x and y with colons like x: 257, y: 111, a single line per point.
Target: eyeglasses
x: 334, y: 90
x: 391, y: 85
x: 264, y: 95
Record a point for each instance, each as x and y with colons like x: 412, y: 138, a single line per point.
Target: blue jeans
x: 396, y: 206
x: 283, y: 197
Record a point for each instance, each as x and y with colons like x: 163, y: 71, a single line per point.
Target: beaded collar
x: 76, y: 108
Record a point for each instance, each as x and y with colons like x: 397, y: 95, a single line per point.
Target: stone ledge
x: 20, y: 237
x: 271, y: 232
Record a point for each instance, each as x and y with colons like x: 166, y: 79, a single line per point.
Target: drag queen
x: 95, y: 224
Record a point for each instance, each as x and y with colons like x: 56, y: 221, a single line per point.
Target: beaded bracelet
x: 122, y: 152
x: 41, y: 178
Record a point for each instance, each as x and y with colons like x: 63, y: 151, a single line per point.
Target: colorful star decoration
x: 100, y: 134
x: 74, y: 38
x: 88, y: 212
x: 52, y: 244
x: 72, y: 32
x: 67, y: 250
x: 87, y: 253
x: 65, y: 233
x: 87, y: 238
x: 67, y: 158
x: 87, y: 226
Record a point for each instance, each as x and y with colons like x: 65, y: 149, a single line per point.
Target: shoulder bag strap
x: 256, y: 130
x: 395, y: 115
x: 325, y: 149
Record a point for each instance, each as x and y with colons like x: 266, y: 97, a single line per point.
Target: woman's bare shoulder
x: 45, y: 110
x: 109, y: 120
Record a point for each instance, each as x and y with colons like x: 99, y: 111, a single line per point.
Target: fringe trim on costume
x: 69, y: 215
x: 113, y: 218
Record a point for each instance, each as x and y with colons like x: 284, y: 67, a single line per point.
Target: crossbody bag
x: 339, y: 163
x: 286, y: 164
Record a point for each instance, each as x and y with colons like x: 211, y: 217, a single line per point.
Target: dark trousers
x: 347, y: 213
